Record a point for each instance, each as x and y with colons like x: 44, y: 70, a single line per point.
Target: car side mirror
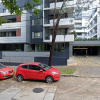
x: 41, y: 70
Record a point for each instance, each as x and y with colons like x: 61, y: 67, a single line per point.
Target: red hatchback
x: 6, y: 72
x: 37, y: 71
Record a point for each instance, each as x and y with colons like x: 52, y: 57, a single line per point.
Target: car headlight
x: 54, y: 73
x: 4, y: 73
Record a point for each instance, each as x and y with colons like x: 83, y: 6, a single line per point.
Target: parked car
x: 37, y: 71
x: 6, y: 72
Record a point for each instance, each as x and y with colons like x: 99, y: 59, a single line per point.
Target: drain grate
x: 38, y: 90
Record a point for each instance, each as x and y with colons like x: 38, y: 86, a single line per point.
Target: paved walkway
x: 68, y: 88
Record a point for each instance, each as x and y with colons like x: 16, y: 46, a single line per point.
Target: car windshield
x: 2, y: 66
x: 45, y: 66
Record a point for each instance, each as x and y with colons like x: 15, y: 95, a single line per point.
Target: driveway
x: 88, y: 66
x: 68, y: 88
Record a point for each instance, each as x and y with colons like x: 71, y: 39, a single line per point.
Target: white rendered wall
x: 25, y: 20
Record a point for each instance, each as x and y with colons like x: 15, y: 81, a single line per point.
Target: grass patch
x: 15, y: 70
x: 67, y: 71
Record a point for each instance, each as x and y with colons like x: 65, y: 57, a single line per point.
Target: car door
x: 25, y: 71
x: 35, y: 72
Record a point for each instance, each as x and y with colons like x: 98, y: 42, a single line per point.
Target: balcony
x: 63, y: 22
x: 10, y: 26
x: 12, y: 39
x: 59, y: 4
x: 61, y: 38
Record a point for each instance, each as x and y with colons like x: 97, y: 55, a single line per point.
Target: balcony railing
x: 64, y: 22
x: 61, y: 38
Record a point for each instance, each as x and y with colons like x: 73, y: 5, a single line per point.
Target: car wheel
x: 20, y: 78
x: 49, y: 79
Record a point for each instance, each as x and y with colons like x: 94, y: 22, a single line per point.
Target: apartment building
x: 32, y: 35
x: 84, y: 22
x: 14, y: 34
x: 88, y: 33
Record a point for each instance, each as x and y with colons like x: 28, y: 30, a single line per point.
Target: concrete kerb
x: 68, y: 75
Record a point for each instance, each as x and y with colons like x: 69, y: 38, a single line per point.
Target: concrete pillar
x: 27, y: 47
x: 98, y: 25
x: 99, y: 50
x: 70, y: 50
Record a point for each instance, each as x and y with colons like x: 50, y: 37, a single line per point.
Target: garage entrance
x: 85, y: 50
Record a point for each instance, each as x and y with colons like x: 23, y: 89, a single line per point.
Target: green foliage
x: 85, y: 39
x: 2, y: 20
x: 12, y: 6
x: 67, y: 71
x: 75, y: 34
x: 18, y: 50
x: 30, y: 50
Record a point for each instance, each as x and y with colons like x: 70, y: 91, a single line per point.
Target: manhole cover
x: 38, y: 90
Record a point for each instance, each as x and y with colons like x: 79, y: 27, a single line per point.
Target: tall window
x: 36, y: 34
x: 37, y: 22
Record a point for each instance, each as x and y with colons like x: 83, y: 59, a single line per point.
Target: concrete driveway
x: 87, y: 66
x: 68, y: 88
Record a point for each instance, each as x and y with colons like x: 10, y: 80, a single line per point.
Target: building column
x: 98, y: 25
x: 27, y: 47
x: 70, y: 50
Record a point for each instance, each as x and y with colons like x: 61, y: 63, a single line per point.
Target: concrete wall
x: 22, y: 56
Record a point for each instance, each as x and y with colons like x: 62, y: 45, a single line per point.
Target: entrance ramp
x: 72, y: 61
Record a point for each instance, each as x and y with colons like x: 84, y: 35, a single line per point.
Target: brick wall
x: 18, y: 18
x: 18, y: 32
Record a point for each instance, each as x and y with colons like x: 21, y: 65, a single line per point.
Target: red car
x: 37, y: 71
x: 6, y: 72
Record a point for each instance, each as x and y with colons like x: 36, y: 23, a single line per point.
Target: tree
x: 14, y: 7
x: 74, y: 33
x: 80, y: 4
x: 55, y: 27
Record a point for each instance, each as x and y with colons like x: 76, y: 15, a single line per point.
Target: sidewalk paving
x: 26, y: 93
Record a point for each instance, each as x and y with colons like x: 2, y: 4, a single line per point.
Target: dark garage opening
x: 86, y: 50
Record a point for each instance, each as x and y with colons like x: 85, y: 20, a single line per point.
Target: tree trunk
x: 55, y: 27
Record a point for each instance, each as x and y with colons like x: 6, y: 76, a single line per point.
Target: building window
x: 78, y: 28
x: 8, y: 34
x: 37, y: 35
x: 59, y: 47
x: 4, y: 10
x: 59, y: 32
x: 37, y: 22
x: 40, y: 7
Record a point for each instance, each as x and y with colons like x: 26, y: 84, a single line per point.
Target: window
x: 4, y: 10
x: 59, y: 47
x: 79, y: 34
x: 37, y: 34
x: 25, y: 66
x: 8, y: 34
x: 37, y: 22
x: 38, y: 7
x: 79, y: 28
x: 2, y: 66
x: 78, y: 24
x: 60, y: 31
x: 34, y: 67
